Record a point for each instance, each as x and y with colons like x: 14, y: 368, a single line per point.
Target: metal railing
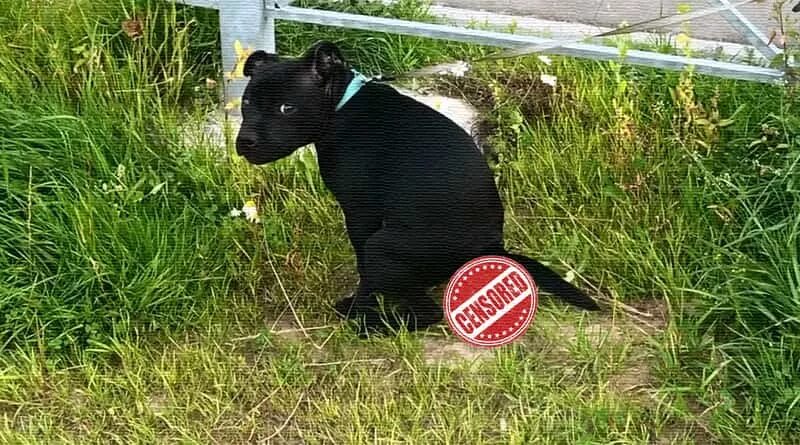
x: 252, y: 23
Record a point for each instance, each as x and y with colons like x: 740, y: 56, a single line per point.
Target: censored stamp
x: 490, y: 301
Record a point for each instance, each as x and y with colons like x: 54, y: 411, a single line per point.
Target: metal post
x: 269, y: 27
x: 241, y: 20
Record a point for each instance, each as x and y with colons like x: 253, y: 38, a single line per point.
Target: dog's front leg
x: 389, y: 270
x: 360, y: 227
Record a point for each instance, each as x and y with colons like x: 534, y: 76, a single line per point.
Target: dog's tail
x: 551, y: 282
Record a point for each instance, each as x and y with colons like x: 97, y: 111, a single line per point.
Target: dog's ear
x: 325, y: 59
x: 256, y: 60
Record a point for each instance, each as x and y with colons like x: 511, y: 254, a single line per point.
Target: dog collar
x: 359, y: 80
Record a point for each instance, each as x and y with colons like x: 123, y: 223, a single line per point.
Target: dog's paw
x: 344, y: 306
x: 367, y: 322
x: 369, y: 318
x: 366, y: 316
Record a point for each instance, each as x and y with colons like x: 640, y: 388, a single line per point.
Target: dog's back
x: 430, y: 173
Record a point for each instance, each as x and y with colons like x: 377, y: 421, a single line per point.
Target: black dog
x: 418, y: 197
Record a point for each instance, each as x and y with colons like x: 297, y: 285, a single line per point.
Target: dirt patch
x: 633, y: 323
x: 474, y: 90
x: 685, y: 433
x: 488, y: 92
x: 596, y: 333
x: 286, y: 328
x: 635, y: 381
x: 653, y: 314
x: 452, y: 351
x: 159, y: 404
x: 524, y: 87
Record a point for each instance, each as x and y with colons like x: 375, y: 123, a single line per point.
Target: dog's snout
x: 245, y: 142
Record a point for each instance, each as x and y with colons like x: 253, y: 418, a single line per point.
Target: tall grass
x: 751, y: 294
x: 101, y: 202
x: 672, y: 186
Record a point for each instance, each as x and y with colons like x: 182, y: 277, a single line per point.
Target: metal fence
x: 252, y: 23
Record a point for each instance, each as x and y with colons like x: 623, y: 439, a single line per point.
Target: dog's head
x: 287, y: 103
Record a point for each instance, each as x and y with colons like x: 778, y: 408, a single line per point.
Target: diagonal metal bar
x: 489, y: 38
x: 641, y: 26
x: 748, y: 30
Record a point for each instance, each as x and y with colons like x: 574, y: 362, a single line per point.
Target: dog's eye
x: 246, y: 101
x: 287, y: 109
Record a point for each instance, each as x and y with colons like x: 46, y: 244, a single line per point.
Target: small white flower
x: 549, y: 79
x: 458, y: 69
x: 236, y: 213
x: 546, y: 60
x: 570, y: 277
x: 250, y: 212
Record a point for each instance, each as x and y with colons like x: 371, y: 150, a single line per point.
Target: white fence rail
x: 252, y: 22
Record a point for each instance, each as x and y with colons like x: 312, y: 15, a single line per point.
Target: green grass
x: 135, y: 309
